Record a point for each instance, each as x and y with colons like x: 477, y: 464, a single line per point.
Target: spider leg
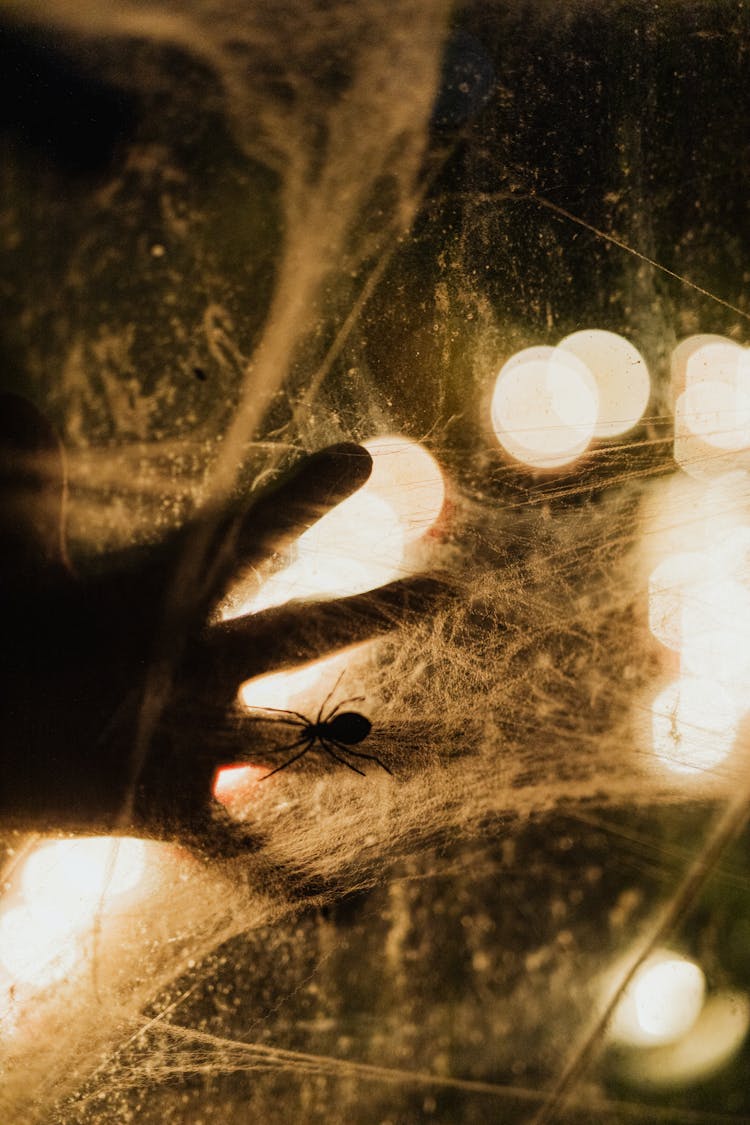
x: 307, y: 744
x: 330, y: 695
x: 358, y: 754
x: 283, y: 711
x: 343, y: 703
x: 327, y: 747
x: 263, y: 719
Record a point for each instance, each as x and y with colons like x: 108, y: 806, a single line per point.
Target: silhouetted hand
x: 120, y: 689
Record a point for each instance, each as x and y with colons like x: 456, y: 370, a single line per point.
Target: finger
x: 315, y: 485
x: 235, y: 650
x: 228, y: 542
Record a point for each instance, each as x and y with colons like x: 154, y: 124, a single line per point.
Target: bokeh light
x: 704, y: 358
x: 37, y: 947
x: 408, y: 478
x: 711, y: 388
x: 544, y: 407
x: 661, y: 1003
x: 61, y: 887
x: 706, y: 1047
x: 74, y: 875
x: 694, y: 725
x: 621, y: 376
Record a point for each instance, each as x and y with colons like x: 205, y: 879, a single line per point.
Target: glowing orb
x: 38, y: 949
x: 705, y: 359
x: 76, y: 874
x: 710, y: 1043
x: 621, y: 376
x: 711, y: 382
x: 669, y: 587
x: 63, y: 884
x: 661, y: 1003
x: 545, y: 407
x: 694, y: 725
x: 715, y: 631
x: 409, y: 480
x: 717, y: 413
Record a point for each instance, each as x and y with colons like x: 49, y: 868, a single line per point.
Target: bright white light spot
x: 715, y: 632
x: 544, y: 407
x: 669, y: 586
x: 717, y: 413
x: 713, y: 1039
x: 621, y: 376
x: 233, y: 785
x: 711, y: 384
x: 409, y: 479
x: 36, y: 947
x: 661, y: 1003
x: 73, y: 876
x: 694, y: 725
x: 705, y: 359
x: 295, y: 689
x: 63, y: 884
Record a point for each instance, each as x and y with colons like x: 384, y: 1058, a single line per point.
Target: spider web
x: 331, y: 221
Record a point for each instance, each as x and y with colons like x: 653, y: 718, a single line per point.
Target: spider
x: 339, y: 730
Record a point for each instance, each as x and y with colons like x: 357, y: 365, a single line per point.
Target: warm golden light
x: 706, y: 1047
x: 671, y: 585
x: 36, y: 947
x: 544, y: 407
x: 293, y: 690
x: 361, y: 543
x: 77, y: 874
x: 661, y: 1003
x: 711, y: 385
x: 233, y: 785
x: 409, y: 480
x: 694, y: 725
x: 62, y: 885
x: 355, y: 547
x: 621, y: 375
x: 705, y: 358
x: 717, y: 413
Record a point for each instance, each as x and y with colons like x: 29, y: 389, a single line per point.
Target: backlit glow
x: 233, y: 785
x: 294, y: 690
x: 661, y: 1003
x: 75, y: 875
x: 707, y: 1046
x: 694, y: 725
x: 711, y: 386
x: 545, y: 407
x: 62, y: 886
x: 361, y: 543
x: 621, y: 376
x: 355, y: 547
x: 409, y: 480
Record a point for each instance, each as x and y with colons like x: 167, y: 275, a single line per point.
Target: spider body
x: 334, y: 733
x: 348, y: 727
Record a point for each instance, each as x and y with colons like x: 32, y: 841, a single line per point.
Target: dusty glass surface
x: 232, y: 234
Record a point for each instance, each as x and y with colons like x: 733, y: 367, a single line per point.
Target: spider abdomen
x: 349, y: 727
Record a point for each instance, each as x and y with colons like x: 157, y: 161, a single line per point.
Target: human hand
x: 122, y: 687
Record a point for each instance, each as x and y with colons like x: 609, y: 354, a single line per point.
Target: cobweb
x: 304, y: 222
